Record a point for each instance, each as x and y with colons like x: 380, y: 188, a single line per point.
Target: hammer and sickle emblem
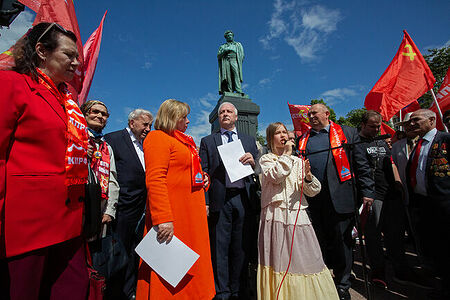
x: 410, y: 52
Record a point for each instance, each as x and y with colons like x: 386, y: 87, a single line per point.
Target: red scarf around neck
x: 100, y: 164
x: 196, y: 169
x: 337, y: 138
x: 76, y: 162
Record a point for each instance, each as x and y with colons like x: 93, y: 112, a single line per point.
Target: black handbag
x: 93, y: 207
x: 108, y: 254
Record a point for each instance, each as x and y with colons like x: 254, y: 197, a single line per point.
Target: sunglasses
x: 57, y: 26
x: 96, y: 112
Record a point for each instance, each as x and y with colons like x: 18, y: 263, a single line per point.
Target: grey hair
x: 426, y: 113
x: 223, y: 103
x: 137, y: 113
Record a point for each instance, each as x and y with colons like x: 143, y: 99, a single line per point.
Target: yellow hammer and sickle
x: 410, y: 52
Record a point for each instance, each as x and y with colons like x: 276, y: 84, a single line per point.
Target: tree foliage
x: 353, y: 117
x: 438, y: 59
x: 332, y: 113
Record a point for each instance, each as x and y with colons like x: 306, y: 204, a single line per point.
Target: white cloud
x: 338, y: 95
x: 200, y: 110
x: 17, y: 29
x: 201, y: 127
x: 147, y: 65
x: 306, y: 29
x: 265, y: 81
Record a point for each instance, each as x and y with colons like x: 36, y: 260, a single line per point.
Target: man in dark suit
x: 129, y: 157
x: 332, y: 209
x: 229, y: 206
x: 428, y: 173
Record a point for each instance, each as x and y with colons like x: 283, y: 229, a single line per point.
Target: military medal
x: 441, y: 174
x: 97, y: 154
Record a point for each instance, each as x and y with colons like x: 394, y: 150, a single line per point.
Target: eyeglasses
x: 59, y: 27
x: 96, y: 112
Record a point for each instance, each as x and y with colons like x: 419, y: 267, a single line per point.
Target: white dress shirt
x: 428, y: 138
x: 138, y: 147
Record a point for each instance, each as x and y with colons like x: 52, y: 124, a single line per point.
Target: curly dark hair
x: 24, y: 52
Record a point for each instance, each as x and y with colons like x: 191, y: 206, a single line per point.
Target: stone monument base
x: 248, y: 112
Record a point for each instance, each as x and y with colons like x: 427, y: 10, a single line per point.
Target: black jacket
x: 130, y: 174
x: 213, y: 165
x: 374, y: 174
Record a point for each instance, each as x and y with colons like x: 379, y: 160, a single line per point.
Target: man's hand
x: 165, y: 232
x: 106, y: 219
x: 367, y: 201
x: 207, y: 210
x: 205, y: 180
x: 247, y: 158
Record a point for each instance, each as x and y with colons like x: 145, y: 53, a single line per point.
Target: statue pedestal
x: 248, y: 112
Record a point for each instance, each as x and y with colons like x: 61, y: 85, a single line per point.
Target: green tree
x: 260, y: 138
x: 353, y: 117
x: 438, y: 60
x: 332, y: 113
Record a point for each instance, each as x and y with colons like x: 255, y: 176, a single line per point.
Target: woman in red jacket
x: 43, y: 168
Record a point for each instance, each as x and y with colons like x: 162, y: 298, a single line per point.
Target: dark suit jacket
x: 437, y: 171
x: 130, y: 174
x: 213, y: 165
x: 341, y: 193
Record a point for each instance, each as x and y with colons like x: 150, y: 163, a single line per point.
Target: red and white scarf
x: 76, y: 162
x: 337, y: 138
x: 197, y: 175
x: 100, y: 164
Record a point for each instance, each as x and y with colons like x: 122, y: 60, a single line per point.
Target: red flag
x: 299, y: 115
x: 386, y: 129
x: 412, y: 107
x: 90, y: 52
x: 443, y: 98
x: 63, y: 13
x: 407, y: 78
x: 32, y: 4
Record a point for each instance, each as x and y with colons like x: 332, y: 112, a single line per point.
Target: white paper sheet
x: 230, y: 154
x: 171, y: 261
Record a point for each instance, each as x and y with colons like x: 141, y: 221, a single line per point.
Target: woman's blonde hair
x: 270, y: 132
x: 169, y: 113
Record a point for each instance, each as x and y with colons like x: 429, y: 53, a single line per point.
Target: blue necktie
x: 229, y: 134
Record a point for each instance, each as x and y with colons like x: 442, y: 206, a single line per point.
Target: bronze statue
x: 230, y: 57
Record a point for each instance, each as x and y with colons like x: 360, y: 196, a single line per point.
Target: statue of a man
x: 230, y: 57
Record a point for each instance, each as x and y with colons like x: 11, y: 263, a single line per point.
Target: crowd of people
x: 290, y: 223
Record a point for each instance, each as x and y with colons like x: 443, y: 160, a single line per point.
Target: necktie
x: 229, y: 134
x: 414, y: 164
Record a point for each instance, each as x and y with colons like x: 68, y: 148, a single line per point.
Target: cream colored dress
x: 308, y: 278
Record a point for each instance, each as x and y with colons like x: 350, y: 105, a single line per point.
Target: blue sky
x: 294, y: 51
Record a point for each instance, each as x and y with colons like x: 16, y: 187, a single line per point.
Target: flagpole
x: 438, y: 109
x: 401, y: 119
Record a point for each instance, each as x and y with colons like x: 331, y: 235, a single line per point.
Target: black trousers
x: 431, y: 222
x: 230, y: 246
x: 130, y: 231
x: 334, y: 233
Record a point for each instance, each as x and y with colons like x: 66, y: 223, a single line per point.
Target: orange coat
x: 171, y: 199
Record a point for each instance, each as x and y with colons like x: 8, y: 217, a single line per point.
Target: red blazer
x: 36, y: 208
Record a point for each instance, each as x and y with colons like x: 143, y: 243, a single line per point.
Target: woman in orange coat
x: 176, y: 204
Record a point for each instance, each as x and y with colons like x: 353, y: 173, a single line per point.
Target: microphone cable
x: 295, y: 226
